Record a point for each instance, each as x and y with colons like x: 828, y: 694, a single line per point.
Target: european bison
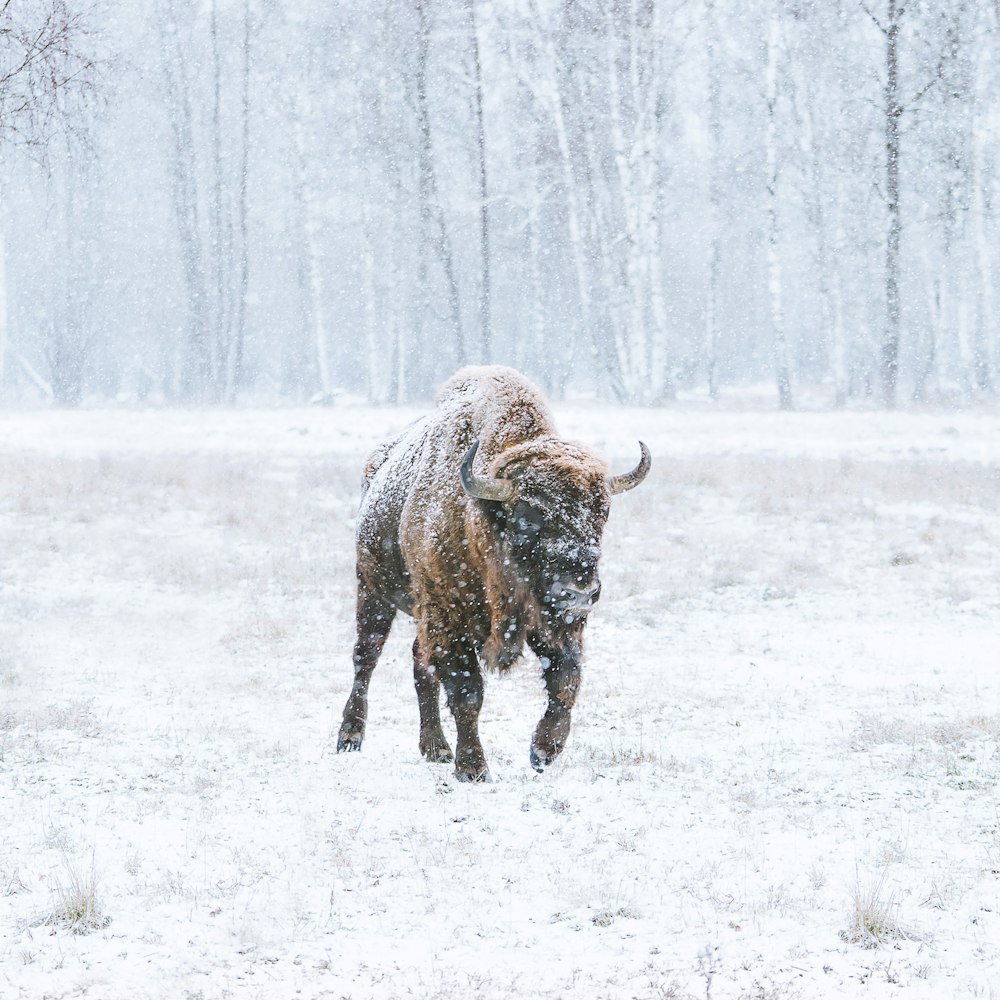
x: 485, y: 527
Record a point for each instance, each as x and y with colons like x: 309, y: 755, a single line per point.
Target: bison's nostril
x: 573, y: 597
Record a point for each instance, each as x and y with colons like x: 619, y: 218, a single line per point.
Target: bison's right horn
x: 629, y: 481
x: 482, y: 488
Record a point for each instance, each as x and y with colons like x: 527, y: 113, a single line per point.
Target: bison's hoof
x: 541, y: 760
x: 346, y: 742
x: 482, y: 775
x: 436, y: 751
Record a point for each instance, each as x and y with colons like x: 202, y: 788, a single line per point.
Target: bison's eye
x: 525, y: 524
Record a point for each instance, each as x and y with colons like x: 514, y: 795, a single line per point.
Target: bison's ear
x: 483, y: 487
x: 629, y: 481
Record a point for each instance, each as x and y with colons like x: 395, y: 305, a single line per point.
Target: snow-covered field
x: 782, y: 779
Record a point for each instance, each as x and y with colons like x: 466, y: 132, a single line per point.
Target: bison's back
x: 390, y: 474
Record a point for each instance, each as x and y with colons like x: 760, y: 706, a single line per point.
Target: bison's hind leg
x: 375, y: 616
x: 433, y: 744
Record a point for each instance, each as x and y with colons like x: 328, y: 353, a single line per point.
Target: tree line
x: 243, y: 200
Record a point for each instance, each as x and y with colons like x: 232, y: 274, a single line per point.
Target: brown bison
x: 486, y: 528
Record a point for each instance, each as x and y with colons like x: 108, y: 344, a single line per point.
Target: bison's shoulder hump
x: 499, y: 406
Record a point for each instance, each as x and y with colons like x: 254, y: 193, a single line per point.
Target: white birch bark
x: 310, y: 231
x: 374, y: 350
x: 713, y: 215
x: 609, y: 333
x: 4, y: 332
x: 654, y: 180
x: 824, y: 187
x: 893, y: 116
x: 195, y: 376
x: 237, y: 339
x: 550, y: 95
x: 986, y: 323
x: 485, y: 257
x: 627, y: 298
x: 774, y: 273
x: 636, y: 84
x: 218, y: 307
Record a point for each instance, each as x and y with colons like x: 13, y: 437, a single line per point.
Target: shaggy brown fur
x: 481, y: 577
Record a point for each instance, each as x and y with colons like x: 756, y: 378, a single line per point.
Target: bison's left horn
x: 620, y: 484
x: 480, y: 487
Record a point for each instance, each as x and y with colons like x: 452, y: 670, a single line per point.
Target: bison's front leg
x: 561, y: 669
x: 433, y: 744
x: 455, y: 663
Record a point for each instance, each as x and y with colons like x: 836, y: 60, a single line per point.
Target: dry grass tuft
x: 873, y: 730
x: 873, y: 921
x: 79, y: 909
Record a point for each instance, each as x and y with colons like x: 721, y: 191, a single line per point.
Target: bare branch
x: 48, y: 71
x: 878, y: 23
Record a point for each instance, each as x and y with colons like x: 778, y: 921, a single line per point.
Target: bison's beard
x: 527, y: 618
x: 505, y: 647
x: 509, y: 627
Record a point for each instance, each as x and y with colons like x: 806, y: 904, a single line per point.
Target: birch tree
x: 894, y: 107
x: 485, y: 281
x: 713, y: 218
x: 636, y: 89
x: 209, y: 164
x: 50, y: 73
x: 434, y: 237
x: 782, y: 365
x: 549, y: 80
x: 983, y: 188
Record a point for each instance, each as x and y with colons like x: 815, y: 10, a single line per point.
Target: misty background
x: 253, y: 201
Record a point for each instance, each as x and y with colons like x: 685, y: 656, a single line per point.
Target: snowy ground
x: 782, y: 779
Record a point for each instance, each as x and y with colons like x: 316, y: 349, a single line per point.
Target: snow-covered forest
x: 244, y: 200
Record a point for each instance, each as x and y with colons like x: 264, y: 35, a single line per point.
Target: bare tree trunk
x: 485, y: 281
x: 234, y: 367
x: 69, y: 339
x: 217, y: 251
x: 432, y: 221
x: 893, y: 114
x: 4, y: 314
x: 986, y: 323
x: 570, y: 189
x: 774, y: 274
x: 713, y: 214
x: 314, y: 333
x: 635, y: 110
x: 196, y: 356
x: 958, y: 71
x: 626, y: 295
x: 609, y: 326
x: 821, y: 184
x: 536, y: 325
x: 838, y: 337
x: 927, y: 345
x: 374, y: 359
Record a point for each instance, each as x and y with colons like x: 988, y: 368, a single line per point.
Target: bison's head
x: 549, y: 502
